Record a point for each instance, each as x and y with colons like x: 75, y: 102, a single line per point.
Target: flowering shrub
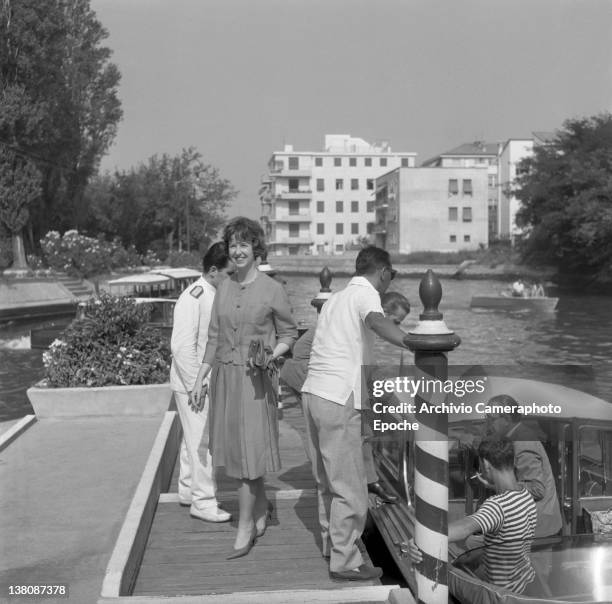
x: 76, y: 254
x: 82, y: 256
x: 111, y: 345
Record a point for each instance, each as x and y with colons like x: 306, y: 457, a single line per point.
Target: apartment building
x: 471, y: 155
x: 322, y: 202
x: 432, y: 209
x: 511, y: 153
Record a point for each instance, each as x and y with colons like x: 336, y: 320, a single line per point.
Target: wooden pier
x: 185, y: 556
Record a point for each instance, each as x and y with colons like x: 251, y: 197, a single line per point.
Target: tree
x: 52, y: 58
x: 167, y: 203
x: 566, y: 194
x: 19, y: 185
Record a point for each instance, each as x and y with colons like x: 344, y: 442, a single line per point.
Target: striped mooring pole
x: 430, y: 341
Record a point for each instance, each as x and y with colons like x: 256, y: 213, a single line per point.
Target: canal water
x: 579, y: 334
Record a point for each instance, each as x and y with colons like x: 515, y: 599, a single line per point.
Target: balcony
x: 286, y: 240
x: 301, y: 217
x: 294, y: 194
x: 284, y: 172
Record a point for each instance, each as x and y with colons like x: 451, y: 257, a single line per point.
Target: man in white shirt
x: 197, y: 487
x: 332, y: 400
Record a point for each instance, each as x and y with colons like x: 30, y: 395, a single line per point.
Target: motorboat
x: 575, y: 568
x: 578, y: 442
x: 501, y: 302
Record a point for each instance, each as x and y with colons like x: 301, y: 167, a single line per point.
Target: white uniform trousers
x: 334, y: 438
x: 196, y: 485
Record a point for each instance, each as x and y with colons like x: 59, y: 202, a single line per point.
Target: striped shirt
x: 507, y: 521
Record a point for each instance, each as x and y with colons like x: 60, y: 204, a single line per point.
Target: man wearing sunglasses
x: 332, y: 400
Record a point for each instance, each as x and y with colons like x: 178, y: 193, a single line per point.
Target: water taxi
x: 578, y: 440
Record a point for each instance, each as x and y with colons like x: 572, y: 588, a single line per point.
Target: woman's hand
x: 198, y: 395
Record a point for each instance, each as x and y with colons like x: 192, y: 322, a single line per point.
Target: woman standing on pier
x: 251, y: 312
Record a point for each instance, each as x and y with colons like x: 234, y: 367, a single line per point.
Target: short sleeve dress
x: 243, y: 410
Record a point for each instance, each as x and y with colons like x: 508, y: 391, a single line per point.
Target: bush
x: 84, y: 257
x: 187, y: 259
x: 110, y: 345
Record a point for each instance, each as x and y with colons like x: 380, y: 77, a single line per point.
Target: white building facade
x: 478, y: 154
x: 432, y: 209
x: 511, y: 153
x: 322, y: 202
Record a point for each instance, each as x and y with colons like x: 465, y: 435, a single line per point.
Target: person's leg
x: 261, y: 509
x: 184, y: 480
x: 195, y: 434
x: 247, y: 496
x: 341, y: 452
x: 318, y: 471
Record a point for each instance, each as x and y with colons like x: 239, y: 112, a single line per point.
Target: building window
x: 453, y: 238
x: 339, y: 184
x: 467, y: 186
x: 294, y: 185
x: 320, y: 228
x: 354, y: 206
x: 339, y: 247
x: 383, y: 162
x: 352, y: 162
x: 354, y: 184
x: 369, y: 206
x: 320, y: 206
x: 467, y: 214
x: 370, y: 228
x: 405, y: 162
x: 337, y: 161
x: 318, y: 162
x: 452, y: 214
x: 367, y: 162
x: 492, y: 180
x: 370, y: 184
x: 294, y: 163
x: 466, y: 238
x: 294, y: 208
x: 320, y: 184
x: 294, y: 230
x: 339, y: 206
x: 339, y: 228
x: 453, y: 186
x: 354, y: 228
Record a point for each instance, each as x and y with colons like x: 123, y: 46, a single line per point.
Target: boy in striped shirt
x: 507, y: 520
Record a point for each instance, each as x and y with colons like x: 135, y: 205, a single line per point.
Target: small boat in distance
x: 501, y: 302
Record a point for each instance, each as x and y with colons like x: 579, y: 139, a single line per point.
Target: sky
x: 239, y: 79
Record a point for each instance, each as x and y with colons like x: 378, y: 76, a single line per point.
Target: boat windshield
x: 564, y: 569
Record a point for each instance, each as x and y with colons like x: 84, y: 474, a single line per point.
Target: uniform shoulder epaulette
x: 196, y: 291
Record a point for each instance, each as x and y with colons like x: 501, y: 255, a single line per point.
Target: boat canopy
x: 178, y: 273
x: 141, y: 279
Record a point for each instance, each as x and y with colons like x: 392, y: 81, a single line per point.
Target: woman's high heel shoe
x: 243, y: 551
x: 267, y: 518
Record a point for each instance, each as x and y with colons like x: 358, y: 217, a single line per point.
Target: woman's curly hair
x: 245, y: 229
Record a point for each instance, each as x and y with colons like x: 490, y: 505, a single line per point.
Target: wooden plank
x: 187, y: 556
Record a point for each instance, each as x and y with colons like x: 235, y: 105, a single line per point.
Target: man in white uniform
x: 332, y: 400
x: 197, y: 487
